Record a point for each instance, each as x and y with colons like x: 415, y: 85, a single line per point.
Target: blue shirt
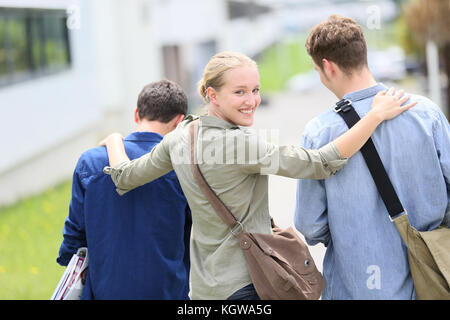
x: 365, y: 257
x: 138, y: 244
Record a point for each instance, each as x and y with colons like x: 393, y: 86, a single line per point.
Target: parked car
x: 387, y: 65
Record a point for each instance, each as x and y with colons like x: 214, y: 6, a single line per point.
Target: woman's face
x: 236, y: 101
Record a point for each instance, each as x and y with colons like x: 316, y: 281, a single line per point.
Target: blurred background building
x: 71, y: 70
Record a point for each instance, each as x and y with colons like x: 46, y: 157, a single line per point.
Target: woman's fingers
x: 409, y: 106
x: 399, y: 94
x: 391, y: 91
x: 103, y: 142
x: 401, y: 109
x: 403, y: 99
x: 388, y: 104
x: 112, y: 135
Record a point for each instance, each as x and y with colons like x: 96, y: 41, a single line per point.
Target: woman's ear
x: 212, y: 95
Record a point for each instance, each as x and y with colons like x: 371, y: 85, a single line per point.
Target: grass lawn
x: 30, y: 236
x: 281, y: 61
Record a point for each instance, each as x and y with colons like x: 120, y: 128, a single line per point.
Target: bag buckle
x: 236, y: 227
x: 398, y: 215
x: 344, y: 105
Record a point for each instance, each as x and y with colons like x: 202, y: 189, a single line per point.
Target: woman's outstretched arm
x: 300, y: 163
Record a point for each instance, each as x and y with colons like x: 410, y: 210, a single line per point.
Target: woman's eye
x: 240, y: 92
x: 256, y: 90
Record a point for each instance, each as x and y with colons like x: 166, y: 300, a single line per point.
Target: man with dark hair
x: 138, y: 244
x: 365, y: 256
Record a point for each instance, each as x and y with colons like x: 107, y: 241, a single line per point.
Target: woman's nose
x: 250, y: 100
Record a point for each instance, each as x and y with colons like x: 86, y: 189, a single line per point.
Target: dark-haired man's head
x: 163, y: 104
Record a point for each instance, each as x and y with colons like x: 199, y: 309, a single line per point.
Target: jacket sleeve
x: 74, y: 235
x: 292, y: 161
x: 310, y: 216
x: 129, y: 175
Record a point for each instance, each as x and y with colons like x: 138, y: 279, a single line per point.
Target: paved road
x: 288, y: 113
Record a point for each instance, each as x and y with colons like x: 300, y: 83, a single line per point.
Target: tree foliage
x: 429, y: 20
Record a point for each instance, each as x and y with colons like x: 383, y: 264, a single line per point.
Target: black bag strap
x: 387, y: 192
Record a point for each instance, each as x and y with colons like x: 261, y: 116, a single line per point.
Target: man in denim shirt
x: 138, y: 244
x: 365, y: 256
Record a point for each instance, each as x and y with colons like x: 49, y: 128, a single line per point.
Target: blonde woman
x: 230, y: 87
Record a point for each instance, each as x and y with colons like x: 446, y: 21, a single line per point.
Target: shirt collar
x: 365, y: 93
x: 212, y: 121
x: 144, y: 136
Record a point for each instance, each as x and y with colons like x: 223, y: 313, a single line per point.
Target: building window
x: 246, y: 9
x: 33, y: 42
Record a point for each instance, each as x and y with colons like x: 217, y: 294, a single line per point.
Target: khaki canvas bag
x: 428, y: 251
x: 280, y: 264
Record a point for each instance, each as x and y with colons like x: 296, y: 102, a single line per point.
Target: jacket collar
x: 365, y: 93
x: 146, y: 136
x: 215, y: 122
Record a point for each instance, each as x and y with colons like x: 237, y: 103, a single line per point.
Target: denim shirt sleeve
x: 310, y: 216
x: 74, y: 234
x: 441, y: 133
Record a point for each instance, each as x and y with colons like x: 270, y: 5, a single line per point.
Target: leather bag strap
x: 387, y: 192
x: 222, y: 211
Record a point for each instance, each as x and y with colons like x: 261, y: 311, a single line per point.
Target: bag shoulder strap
x: 222, y: 211
x: 387, y: 192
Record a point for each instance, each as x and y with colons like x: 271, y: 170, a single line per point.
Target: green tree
x: 428, y: 20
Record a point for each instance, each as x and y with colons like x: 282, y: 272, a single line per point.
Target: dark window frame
x: 33, y: 43
x: 246, y: 9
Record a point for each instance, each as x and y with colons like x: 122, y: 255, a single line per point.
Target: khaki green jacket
x: 235, y: 162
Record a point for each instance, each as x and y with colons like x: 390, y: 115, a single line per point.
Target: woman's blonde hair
x: 216, y: 68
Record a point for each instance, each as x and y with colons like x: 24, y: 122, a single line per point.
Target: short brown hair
x: 162, y: 101
x: 340, y: 40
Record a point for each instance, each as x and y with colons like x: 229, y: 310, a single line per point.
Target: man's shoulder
x: 425, y: 107
x: 324, y: 127
x: 92, y: 161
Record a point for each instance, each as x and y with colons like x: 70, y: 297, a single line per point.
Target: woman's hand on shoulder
x: 112, y: 137
x: 387, y: 104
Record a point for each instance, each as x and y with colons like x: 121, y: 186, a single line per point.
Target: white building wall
x: 116, y: 49
x: 251, y: 36
x: 49, y: 121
